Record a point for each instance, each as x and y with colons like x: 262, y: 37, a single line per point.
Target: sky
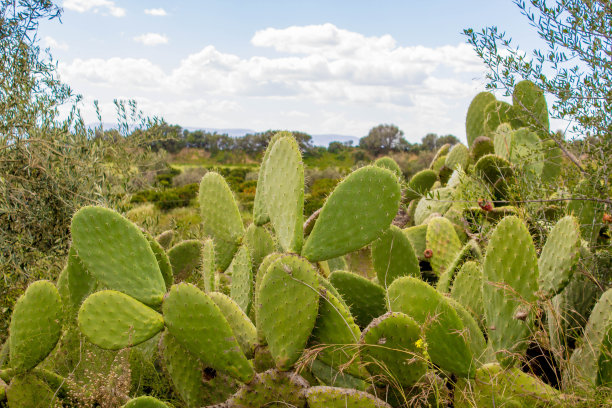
x: 321, y: 67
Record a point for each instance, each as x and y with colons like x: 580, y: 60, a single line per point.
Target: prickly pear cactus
x: 442, y: 240
x: 199, y: 326
x: 165, y: 267
x: 208, y: 266
x: 165, y: 239
x: 272, y: 388
x: 393, y: 256
x: 436, y: 201
x: 420, y: 184
x: 458, y: 156
x: 259, y: 242
x: 474, y: 122
x: 481, y: 146
x: 241, y: 271
x: 389, y: 164
x: 365, y: 298
x: 261, y: 271
x: 394, y: 350
x: 260, y: 211
x: 30, y: 391
x: 74, y: 283
x: 113, y: 321
x: 186, y: 260
x: 288, y: 301
x: 332, y: 397
x: 510, y: 283
x: 35, y: 327
x: 242, y: 327
x: 359, y: 210
x: 220, y: 217
x: 418, y: 238
x: 498, y: 112
x: 145, y: 402
x: 467, y: 289
x: 117, y: 254
x: 530, y: 106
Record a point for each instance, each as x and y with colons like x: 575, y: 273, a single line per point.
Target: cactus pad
x: 393, y: 256
x: 332, y: 397
x: 113, y: 320
x: 418, y: 238
x: 474, y: 122
x: 482, y: 145
x: 242, y: 279
x: 272, y: 388
x: 436, y: 201
x: 260, y: 212
x: 186, y: 260
x: 359, y: 210
x: 117, y: 254
x: 208, y: 265
x: 259, y: 242
x: 530, y: 106
x: 467, y: 289
x: 79, y: 283
x: 165, y: 238
x: 420, y: 184
x: 458, y: 156
x: 145, y: 402
x: 288, y: 302
x: 443, y: 241
x: 162, y: 260
x: 389, y: 164
x: 36, y: 325
x: 366, y: 299
x: 220, y: 217
x: 30, y: 391
x: 242, y: 327
x: 198, y: 324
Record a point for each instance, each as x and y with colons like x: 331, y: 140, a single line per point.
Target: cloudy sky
x: 321, y: 67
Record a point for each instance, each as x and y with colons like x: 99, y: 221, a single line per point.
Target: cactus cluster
x: 269, y: 316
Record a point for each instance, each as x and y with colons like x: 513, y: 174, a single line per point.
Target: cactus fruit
x: 530, y: 106
x: 332, y: 397
x: 220, y: 217
x: 467, y: 289
x: 272, y: 388
x: 510, y: 283
x: 359, y: 210
x: 186, y: 260
x: 366, y: 299
x: 481, y: 146
x: 112, y: 320
x: 241, y: 271
x: 259, y: 242
x: 474, y: 122
x: 117, y: 254
x: 420, y: 184
x: 436, y: 201
x: 458, y: 157
x: 284, y: 193
x: 199, y: 326
x: 445, y: 334
x: 393, y: 350
x: 242, y: 327
x: 208, y: 266
x: 165, y: 239
x: 30, y: 391
x: 162, y: 260
x: 288, y: 302
x: 393, y: 256
x: 559, y: 256
x: 145, y: 402
x: 332, y: 377
x: 442, y: 239
x: 337, y: 334
x: 260, y: 212
x: 35, y: 327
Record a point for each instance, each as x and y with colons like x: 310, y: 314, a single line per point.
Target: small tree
x: 382, y: 139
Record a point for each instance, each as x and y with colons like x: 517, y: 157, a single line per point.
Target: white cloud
x: 82, y: 6
x: 151, y: 39
x: 339, y: 81
x: 158, y: 12
x: 52, y: 43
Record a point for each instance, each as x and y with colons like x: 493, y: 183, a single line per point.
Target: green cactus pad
x: 389, y: 164
x: 393, y: 256
x: 510, y: 283
x: 261, y: 271
x: 337, y: 264
x: 188, y: 376
x: 474, y: 335
x: 208, y: 265
x: 36, y: 325
x: 530, y: 106
x: 260, y: 244
x: 260, y: 212
x: 332, y: 397
x: 145, y: 402
x: 117, y: 254
x: 165, y: 238
x: 442, y: 152
x: 526, y: 151
x: 482, y: 145
x: 584, y: 359
x: 420, y: 184
x: 288, y: 302
x: 393, y: 350
x: 418, y: 238
x: 471, y: 250
x: 241, y: 272
x: 162, y: 260
x: 336, y: 331
x: 220, y: 217
x: 492, y: 168
x: 284, y: 193
x: 496, y: 113
x: 496, y: 387
x: 442, y: 240
x: 503, y: 137
x: 447, y: 342
x: 198, y: 324
x: 559, y: 256
x: 604, y: 364
x: 458, y: 156
x: 358, y: 211
x: 467, y: 289
x: 186, y: 260
x: 272, y: 388
x: 29, y: 391
x: 436, y: 201
x: 553, y: 160
x: 474, y: 122
x: 366, y: 299
x: 112, y: 320
x: 332, y: 377
x: 78, y: 283
x: 242, y: 327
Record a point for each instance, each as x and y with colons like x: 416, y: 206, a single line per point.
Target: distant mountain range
x: 317, y: 140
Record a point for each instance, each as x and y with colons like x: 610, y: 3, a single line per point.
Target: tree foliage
x: 382, y: 139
